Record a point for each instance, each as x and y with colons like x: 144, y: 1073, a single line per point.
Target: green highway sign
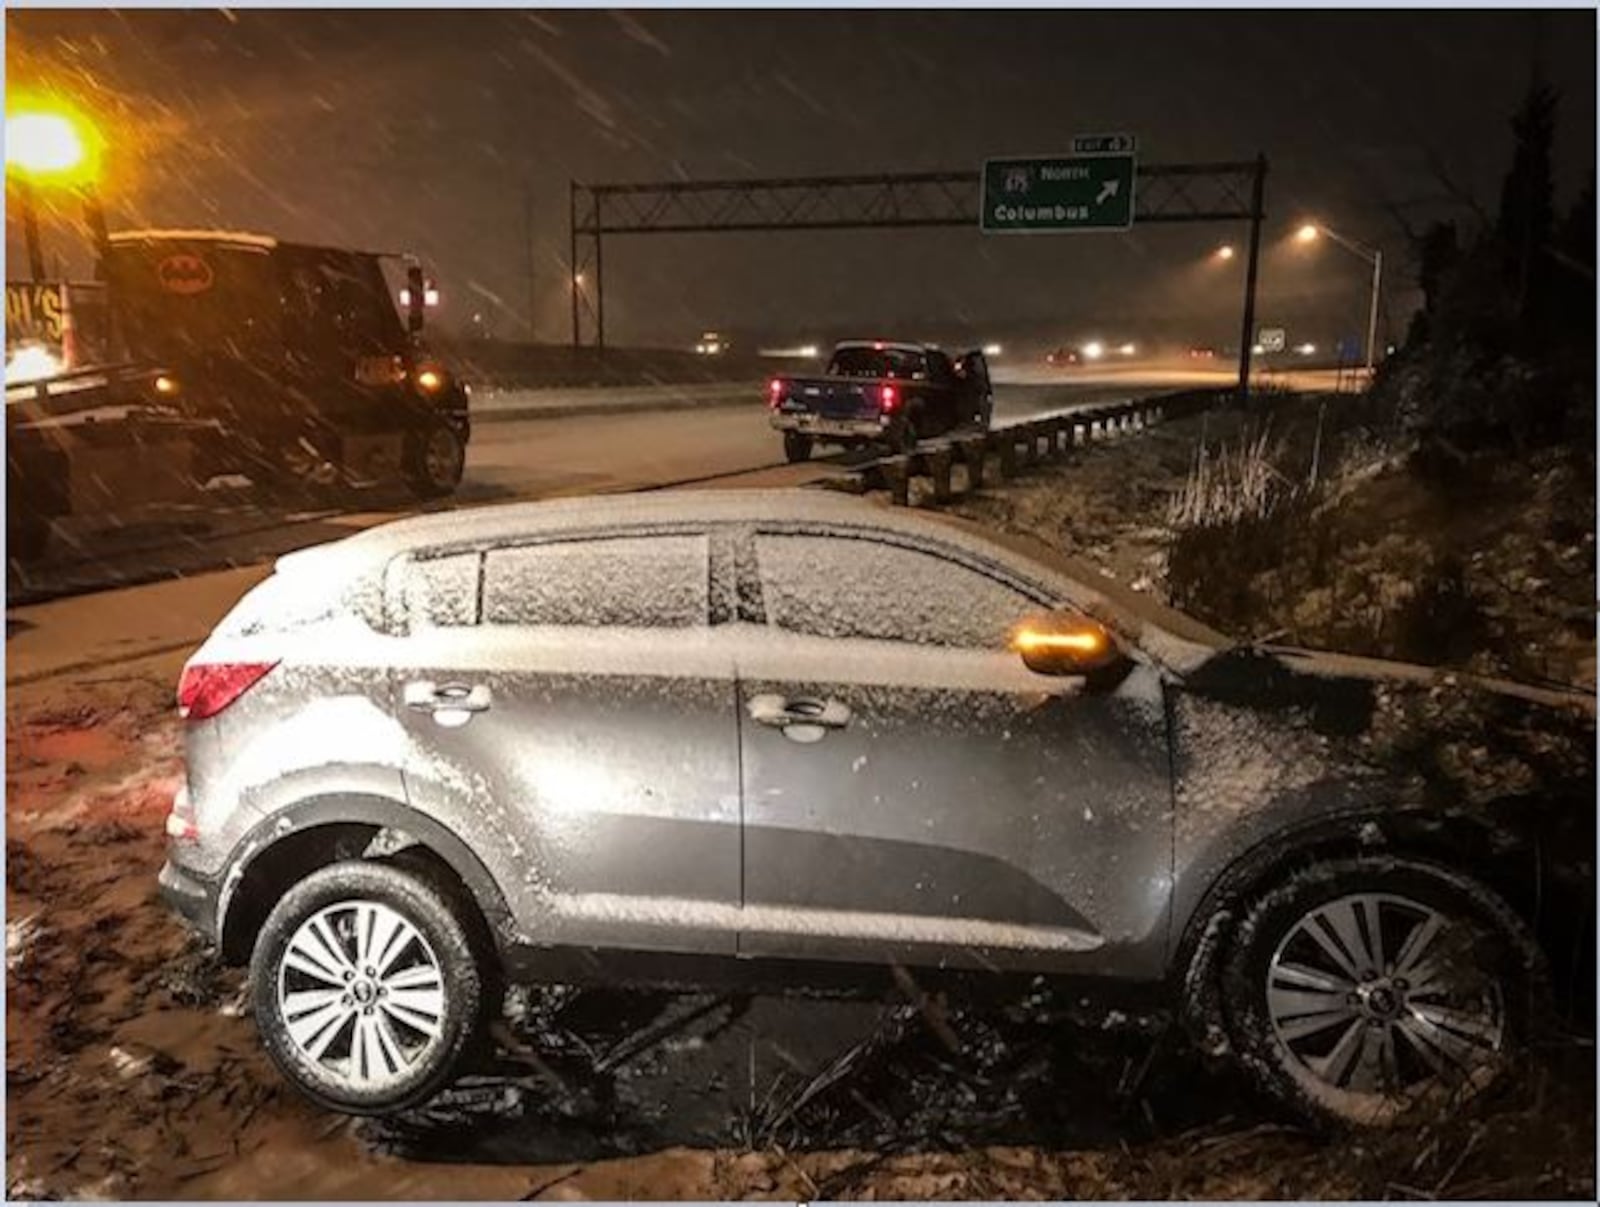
x: 1066, y: 193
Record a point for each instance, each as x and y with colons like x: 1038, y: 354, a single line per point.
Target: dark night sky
x: 419, y: 130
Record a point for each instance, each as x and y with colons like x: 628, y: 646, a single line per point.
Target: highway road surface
x: 637, y: 439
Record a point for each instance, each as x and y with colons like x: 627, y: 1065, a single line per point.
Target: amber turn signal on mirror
x: 1064, y: 646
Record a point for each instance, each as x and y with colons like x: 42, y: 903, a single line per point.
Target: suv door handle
x: 425, y: 696
x: 781, y: 712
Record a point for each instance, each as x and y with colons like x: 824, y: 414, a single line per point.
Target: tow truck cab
x: 298, y: 350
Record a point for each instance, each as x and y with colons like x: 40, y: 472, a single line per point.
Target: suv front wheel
x: 1365, y: 990
x: 366, y: 988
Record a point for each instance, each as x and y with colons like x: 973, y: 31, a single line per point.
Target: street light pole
x: 1372, y: 316
x: 1371, y: 255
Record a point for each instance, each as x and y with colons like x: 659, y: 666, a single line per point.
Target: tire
x: 797, y: 447
x: 1355, y: 1046
x: 435, y: 459
x: 414, y: 1047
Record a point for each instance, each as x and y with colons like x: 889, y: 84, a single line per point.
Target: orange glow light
x: 1084, y: 641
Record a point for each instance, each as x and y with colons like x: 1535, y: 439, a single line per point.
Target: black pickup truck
x: 875, y: 391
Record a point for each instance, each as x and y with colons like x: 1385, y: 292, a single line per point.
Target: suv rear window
x: 442, y: 592
x: 634, y: 582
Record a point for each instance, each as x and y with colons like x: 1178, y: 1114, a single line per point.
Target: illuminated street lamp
x: 1311, y: 231
x: 1225, y: 252
x: 48, y: 147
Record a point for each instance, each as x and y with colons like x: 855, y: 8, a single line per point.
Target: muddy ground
x: 133, y: 1068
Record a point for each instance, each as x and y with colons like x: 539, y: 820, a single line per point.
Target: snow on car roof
x: 213, y: 236
x: 1174, y: 638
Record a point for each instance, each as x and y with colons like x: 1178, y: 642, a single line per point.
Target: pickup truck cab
x: 880, y: 392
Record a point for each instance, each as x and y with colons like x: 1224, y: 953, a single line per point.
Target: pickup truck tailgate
x: 832, y: 399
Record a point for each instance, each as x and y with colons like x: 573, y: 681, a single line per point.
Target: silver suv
x: 685, y: 731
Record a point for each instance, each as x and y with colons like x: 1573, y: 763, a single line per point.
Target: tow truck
x: 200, y: 354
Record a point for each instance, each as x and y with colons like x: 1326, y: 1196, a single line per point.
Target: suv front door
x: 914, y: 794
x: 570, y: 710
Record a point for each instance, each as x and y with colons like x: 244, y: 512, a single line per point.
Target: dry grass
x: 1230, y: 484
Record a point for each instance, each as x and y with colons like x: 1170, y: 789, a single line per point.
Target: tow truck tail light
x: 889, y: 396
x: 206, y: 688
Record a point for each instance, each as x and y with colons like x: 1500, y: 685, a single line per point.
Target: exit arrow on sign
x: 1057, y: 194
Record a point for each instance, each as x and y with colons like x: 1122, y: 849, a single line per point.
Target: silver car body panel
x: 621, y: 790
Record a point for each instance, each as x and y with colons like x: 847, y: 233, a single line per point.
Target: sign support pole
x: 1247, y: 331
x: 572, y: 256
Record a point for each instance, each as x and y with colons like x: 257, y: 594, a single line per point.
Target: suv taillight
x: 206, y: 688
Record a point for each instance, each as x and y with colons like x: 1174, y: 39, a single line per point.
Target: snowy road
x: 639, y: 446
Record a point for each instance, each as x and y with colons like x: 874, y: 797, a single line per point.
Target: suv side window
x: 628, y: 581
x: 843, y: 586
x: 441, y: 592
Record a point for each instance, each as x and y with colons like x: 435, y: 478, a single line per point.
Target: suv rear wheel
x: 366, y: 988
x: 1365, y: 990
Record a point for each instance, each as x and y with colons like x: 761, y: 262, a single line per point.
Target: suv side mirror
x: 1064, y: 644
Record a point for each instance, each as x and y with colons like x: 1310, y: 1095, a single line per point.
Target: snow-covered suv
x: 777, y: 728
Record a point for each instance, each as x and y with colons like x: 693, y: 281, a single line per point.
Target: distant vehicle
x: 1202, y: 352
x: 712, y: 343
x: 671, y: 737
x: 1063, y: 358
x: 876, y: 391
x: 280, y: 362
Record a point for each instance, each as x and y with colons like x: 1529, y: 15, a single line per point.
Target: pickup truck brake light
x: 889, y: 397
x: 774, y: 391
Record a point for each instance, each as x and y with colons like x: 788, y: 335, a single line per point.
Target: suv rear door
x: 571, y: 715
x: 913, y: 793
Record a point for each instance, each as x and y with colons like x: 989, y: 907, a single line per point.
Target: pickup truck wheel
x: 797, y: 446
x: 435, y: 460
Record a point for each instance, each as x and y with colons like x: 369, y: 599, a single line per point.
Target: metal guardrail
x: 1018, y: 446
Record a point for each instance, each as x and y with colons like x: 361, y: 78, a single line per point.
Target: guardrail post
x: 1031, y: 434
x: 972, y: 455
x: 897, y: 474
x: 939, y: 464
